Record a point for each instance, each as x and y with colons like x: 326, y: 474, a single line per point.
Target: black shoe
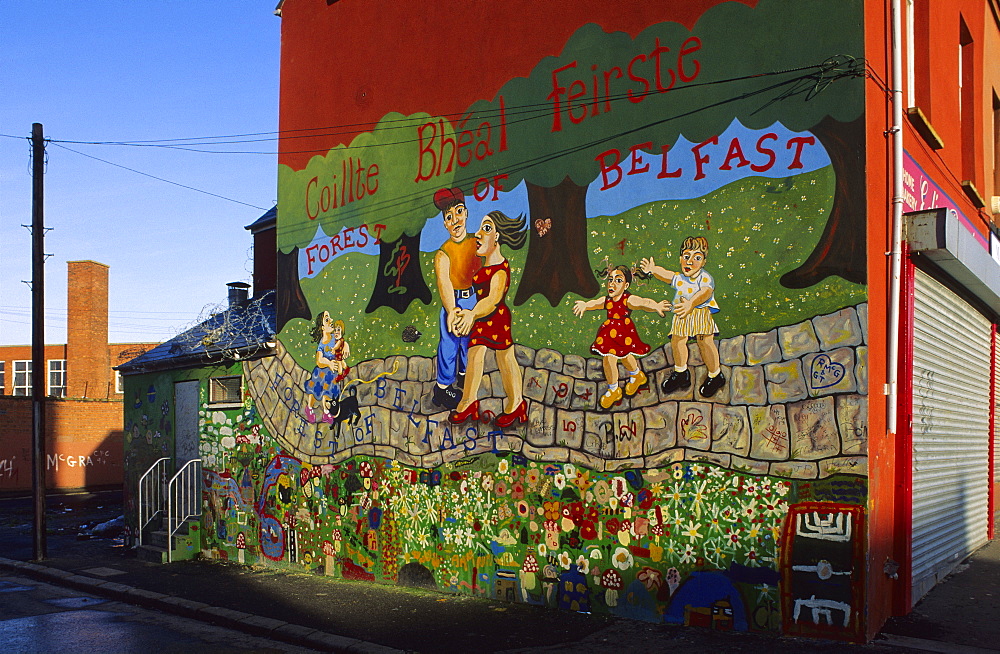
x: 676, y: 381
x: 447, y: 397
x: 711, y: 385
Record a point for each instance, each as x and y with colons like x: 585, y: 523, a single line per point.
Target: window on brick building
x: 22, y: 378
x: 225, y: 390
x: 119, y: 385
x: 57, y: 377
x: 3, y: 380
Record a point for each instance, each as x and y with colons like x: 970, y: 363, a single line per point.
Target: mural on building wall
x: 587, y: 344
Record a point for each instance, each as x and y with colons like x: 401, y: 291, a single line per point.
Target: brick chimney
x: 88, y: 363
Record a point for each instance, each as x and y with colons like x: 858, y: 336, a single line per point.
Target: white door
x: 952, y: 378
x: 185, y: 422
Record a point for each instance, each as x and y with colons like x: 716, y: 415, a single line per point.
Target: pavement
x: 325, y: 614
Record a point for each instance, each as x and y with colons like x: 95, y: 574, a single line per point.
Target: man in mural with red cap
x: 454, y: 265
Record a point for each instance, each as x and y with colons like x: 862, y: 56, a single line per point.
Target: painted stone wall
x: 795, y: 408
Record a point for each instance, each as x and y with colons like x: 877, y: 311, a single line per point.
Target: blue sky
x: 126, y: 70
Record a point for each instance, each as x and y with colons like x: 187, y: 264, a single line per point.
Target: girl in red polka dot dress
x: 617, y: 339
x: 488, y: 323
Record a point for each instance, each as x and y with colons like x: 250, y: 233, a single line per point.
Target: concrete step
x: 151, y: 554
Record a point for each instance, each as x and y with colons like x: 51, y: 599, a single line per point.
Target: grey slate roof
x: 239, y: 332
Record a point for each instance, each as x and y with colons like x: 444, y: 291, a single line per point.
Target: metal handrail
x: 151, y: 493
x: 183, y: 500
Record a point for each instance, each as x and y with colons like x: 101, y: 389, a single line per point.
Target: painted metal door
x: 952, y: 378
x: 185, y: 422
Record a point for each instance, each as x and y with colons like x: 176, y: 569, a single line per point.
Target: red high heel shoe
x: 520, y: 414
x: 458, y: 417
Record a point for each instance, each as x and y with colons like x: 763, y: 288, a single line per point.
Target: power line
x: 531, y: 110
x: 161, y: 179
x: 385, y: 207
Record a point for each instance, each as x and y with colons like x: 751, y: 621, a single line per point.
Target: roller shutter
x: 996, y: 432
x: 952, y: 377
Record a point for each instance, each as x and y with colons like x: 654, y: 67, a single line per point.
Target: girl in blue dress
x: 331, y: 366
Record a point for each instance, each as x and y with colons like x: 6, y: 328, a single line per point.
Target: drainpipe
x: 895, y: 290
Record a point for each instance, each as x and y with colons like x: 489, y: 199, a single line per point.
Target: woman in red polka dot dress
x: 488, y: 323
x: 617, y: 339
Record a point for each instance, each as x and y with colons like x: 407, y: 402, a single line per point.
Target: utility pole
x: 38, y: 338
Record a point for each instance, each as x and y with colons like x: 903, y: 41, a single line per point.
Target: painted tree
x: 610, y: 93
x: 366, y: 190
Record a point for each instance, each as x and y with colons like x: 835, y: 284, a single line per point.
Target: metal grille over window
x: 225, y: 390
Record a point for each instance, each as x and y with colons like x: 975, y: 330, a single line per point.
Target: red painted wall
x: 362, y: 95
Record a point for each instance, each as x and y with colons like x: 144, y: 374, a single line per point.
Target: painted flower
x: 570, y: 471
x: 613, y: 525
x: 503, y: 467
x: 522, y: 509
x: 602, y: 492
x: 588, y: 530
x: 583, y: 563
x: 500, y: 489
x: 622, y: 558
x: 533, y: 477
x: 565, y: 560
x: 651, y: 578
x: 552, y: 510
x: 560, y: 480
x: 687, y: 556
x: 543, y: 550
x: 691, y: 531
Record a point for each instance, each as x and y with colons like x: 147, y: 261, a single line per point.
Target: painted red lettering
x: 799, y: 142
x: 699, y: 159
x: 691, y: 44
x: 637, y: 98
x: 735, y: 152
x: 663, y: 167
x: 770, y: 136
x: 426, y: 150
x: 605, y: 168
x: 637, y: 165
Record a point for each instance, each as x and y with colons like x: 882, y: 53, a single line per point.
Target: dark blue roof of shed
x: 236, y: 333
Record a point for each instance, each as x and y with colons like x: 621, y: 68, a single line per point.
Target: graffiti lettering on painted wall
x: 96, y: 458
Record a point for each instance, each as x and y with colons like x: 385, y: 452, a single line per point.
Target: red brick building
x: 84, y: 406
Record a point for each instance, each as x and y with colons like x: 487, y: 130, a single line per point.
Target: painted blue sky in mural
x: 692, y: 170
x: 707, y: 167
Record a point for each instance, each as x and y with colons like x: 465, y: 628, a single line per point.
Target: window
x: 225, y: 390
x: 22, y: 378
x: 57, y: 377
x: 3, y: 380
x: 967, y: 100
x: 119, y: 384
x: 911, y: 80
x: 996, y: 145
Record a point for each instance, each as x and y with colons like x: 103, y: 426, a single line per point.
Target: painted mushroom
x: 366, y: 473
x: 612, y: 581
x: 328, y: 550
x: 529, y: 572
x: 338, y: 540
x: 241, y: 545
